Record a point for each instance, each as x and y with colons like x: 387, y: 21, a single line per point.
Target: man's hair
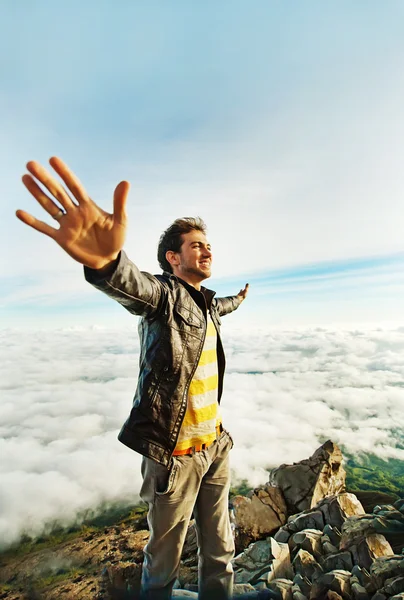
x: 171, y: 238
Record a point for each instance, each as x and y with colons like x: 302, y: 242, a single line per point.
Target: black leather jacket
x: 172, y: 333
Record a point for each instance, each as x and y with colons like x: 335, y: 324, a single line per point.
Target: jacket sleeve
x: 139, y: 292
x: 227, y: 305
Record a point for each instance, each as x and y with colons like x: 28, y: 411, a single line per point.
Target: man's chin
x: 203, y: 273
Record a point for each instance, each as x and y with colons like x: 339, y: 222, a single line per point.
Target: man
x: 175, y: 421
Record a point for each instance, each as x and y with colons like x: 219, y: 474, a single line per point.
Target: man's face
x: 194, y: 260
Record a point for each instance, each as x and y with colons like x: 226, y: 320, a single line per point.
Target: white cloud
x: 67, y: 392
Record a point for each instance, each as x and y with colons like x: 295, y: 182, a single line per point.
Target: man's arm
x: 139, y: 292
x: 90, y: 235
x: 230, y: 303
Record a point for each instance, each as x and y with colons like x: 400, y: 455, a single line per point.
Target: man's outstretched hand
x: 243, y: 293
x: 86, y: 232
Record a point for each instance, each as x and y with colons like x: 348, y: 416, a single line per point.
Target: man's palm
x: 87, y: 233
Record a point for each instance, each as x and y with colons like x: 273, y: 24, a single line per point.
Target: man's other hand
x: 86, y: 232
x: 243, y: 293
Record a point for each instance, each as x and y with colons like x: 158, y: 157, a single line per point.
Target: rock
x: 242, y: 588
x: 282, y: 587
x: 189, y: 552
x: 333, y: 533
x: 358, y: 591
x: 395, y: 585
x: 338, y: 581
x: 355, y: 528
x: 341, y: 560
x: 282, y: 535
x: 361, y: 574
x: 253, y: 562
x: 305, y: 483
x: 327, y: 547
x: 297, y: 594
x: 184, y: 594
x: 383, y: 568
x: 260, y: 515
x: 303, y: 583
x: 281, y: 567
x: 337, y: 509
x: 281, y: 564
x: 399, y: 505
x: 366, y: 549
x: 307, y: 520
x: 310, y: 540
x: 306, y: 565
x: 331, y: 595
x: 122, y: 578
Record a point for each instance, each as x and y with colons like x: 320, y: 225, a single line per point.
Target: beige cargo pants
x: 196, y: 483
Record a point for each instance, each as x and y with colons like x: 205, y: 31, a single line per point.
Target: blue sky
x: 279, y: 123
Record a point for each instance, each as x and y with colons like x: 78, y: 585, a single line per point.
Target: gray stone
x: 361, y: 574
x: 384, y: 568
x: 261, y: 585
x: 305, y: 483
x: 394, y: 585
x: 179, y: 594
x: 338, y: 581
x: 308, y: 520
x: 337, y: 509
x: 358, y: 591
x: 355, y: 528
x: 189, y: 552
x: 282, y: 535
x: 303, y: 583
x: 328, y: 548
x: 282, y: 587
x: 310, y: 540
x: 333, y: 533
x: 297, y: 594
x: 242, y: 588
x: 306, y: 565
x: 260, y: 515
x: 331, y: 595
x: 333, y: 562
x: 367, y: 549
x: 281, y: 565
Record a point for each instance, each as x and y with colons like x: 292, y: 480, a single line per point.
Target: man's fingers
x: 44, y: 200
x: 120, y: 197
x: 71, y: 180
x: 51, y: 184
x: 36, y: 224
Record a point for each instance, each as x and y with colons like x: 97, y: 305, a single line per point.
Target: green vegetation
x: 115, y: 515
x: 370, y: 473
x: 240, y: 489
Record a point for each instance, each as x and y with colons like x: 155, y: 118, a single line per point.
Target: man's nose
x: 207, y: 252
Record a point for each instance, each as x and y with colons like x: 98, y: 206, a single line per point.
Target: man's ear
x: 173, y: 258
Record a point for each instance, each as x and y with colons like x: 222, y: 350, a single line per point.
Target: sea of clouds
x: 66, y: 392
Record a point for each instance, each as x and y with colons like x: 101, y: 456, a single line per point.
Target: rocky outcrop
x: 305, y: 483
x: 258, y: 515
x: 329, y: 550
x: 325, y: 563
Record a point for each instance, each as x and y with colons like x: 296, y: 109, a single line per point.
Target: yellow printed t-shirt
x: 202, y: 415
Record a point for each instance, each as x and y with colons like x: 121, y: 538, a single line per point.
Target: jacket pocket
x: 187, y: 317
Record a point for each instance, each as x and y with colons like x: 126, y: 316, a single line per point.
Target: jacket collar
x: 206, y: 292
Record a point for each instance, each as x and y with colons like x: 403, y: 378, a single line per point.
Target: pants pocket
x: 165, y: 478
